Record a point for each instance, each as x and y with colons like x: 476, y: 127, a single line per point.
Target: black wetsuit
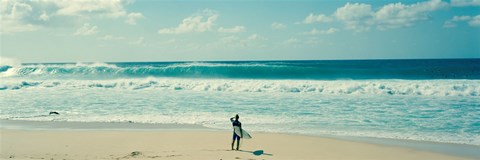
x: 236, y: 123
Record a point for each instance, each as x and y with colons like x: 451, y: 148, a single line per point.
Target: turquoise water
x: 429, y: 101
x: 312, y: 70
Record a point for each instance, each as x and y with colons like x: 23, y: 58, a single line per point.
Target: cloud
x: 111, y: 37
x: 23, y: 16
x: 110, y: 8
x: 236, y: 41
x: 314, y: 31
x: 321, y: 18
x: 461, y: 18
x: 292, y: 41
x: 361, y: 17
x: 14, y: 17
x: 97, y: 9
x: 256, y: 37
x: 353, y: 11
x: 279, y: 26
x: 400, y: 15
x: 235, y: 29
x: 133, y: 17
x: 463, y: 3
x: 199, y: 22
x: 230, y: 39
x: 44, y: 16
x: 473, y: 21
x: 355, y: 16
x: 86, y: 30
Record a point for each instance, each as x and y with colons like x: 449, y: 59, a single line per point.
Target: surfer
x: 235, y: 136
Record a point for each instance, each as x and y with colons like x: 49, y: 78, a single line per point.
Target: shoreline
x: 94, y: 126
x: 125, y: 128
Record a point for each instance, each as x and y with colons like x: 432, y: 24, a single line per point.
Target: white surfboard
x: 245, y: 135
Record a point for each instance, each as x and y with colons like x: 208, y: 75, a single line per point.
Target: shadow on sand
x: 257, y: 152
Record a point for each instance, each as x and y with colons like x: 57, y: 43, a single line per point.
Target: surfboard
x: 236, y: 129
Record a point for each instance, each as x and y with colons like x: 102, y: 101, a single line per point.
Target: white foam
x: 95, y: 64
x: 431, y: 110
x: 338, y: 87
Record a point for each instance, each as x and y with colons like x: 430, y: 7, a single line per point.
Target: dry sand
x: 195, y: 145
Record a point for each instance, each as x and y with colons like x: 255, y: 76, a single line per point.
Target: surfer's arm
x: 231, y: 119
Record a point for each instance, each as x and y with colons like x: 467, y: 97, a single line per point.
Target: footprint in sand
x: 173, y: 155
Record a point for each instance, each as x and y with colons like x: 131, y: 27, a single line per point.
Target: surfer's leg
x: 238, y: 142
x: 233, y: 140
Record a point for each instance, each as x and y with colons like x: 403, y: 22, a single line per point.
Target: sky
x: 147, y: 30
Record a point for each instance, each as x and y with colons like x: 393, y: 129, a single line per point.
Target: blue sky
x: 115, y: 30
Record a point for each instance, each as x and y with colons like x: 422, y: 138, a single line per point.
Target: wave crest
x: 100, y: 70
x: 338, y: 87
x: 317, y: 70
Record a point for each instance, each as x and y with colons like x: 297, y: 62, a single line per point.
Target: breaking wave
x: 338, y: 87
x: 316, y: 70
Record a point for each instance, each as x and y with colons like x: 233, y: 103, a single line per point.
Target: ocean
x: 421, y: 100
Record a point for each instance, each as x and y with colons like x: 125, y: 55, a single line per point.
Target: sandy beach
x: 97, y: 144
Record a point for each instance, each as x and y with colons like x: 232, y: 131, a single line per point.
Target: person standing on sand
x: 235, y: 136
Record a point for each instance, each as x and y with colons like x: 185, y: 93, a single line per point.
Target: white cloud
x: 97, y: 9
x: 356, y: 16
x: 400, y: 15
x: 44, y: 16
x: 256, y: 37
x: 472, y: 21
x: 133, y: 17
x: 353, y: 11
x: 200, y: 22
x: 236, y: 41
x: 230, y: 39
x: 318, y: 32
x: 110, y: 8
x: 463, y: 3
x: 361, y: 17
x: 22, y: 16
x: 235, y: 29
x: 292, y: 41
x: 20, y: 10
x: 111, y: 37
x: 276, y: 25
x: 461, y: 18
x: 321, y: 18
x: 14, y: 15
x: 86, y: 30
x: 475, y: 21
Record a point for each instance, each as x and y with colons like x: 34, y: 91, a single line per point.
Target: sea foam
x: 338, y: 87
